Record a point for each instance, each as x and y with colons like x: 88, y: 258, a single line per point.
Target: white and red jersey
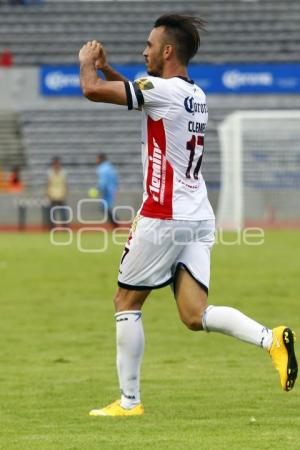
x: 173, y: 127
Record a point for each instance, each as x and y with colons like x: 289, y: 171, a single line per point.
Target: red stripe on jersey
x: 159, y: 203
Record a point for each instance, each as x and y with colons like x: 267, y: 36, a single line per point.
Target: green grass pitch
x: 200, y: 391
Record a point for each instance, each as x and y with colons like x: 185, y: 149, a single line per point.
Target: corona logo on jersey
x: 192, y: 107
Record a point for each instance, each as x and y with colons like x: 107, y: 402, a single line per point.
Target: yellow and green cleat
x: 283, y: 355
x: 115, y: 409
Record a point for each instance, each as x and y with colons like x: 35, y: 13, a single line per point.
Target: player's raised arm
x: 103, y: 65
x: 92, y: 57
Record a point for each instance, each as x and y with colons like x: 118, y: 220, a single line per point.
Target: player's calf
x: 191, y: 300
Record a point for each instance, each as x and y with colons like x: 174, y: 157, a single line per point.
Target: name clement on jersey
x: 197, y: 127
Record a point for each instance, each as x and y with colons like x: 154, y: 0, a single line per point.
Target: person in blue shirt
x: 108, y: 183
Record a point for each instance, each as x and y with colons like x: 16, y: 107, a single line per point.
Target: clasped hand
x: 93, y: 52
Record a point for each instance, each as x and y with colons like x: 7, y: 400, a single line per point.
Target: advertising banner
x: 213, y: 79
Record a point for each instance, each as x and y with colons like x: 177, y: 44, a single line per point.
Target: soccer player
x: 173, y: 233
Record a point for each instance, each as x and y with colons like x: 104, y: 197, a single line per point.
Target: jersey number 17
x: 191, y: 146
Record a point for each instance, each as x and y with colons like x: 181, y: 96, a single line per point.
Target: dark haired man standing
x: 172, y: 236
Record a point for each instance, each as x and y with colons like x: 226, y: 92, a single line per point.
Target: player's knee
x: 193, y: 322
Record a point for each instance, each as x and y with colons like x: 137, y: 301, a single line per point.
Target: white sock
x: 130, y: 349
x: 232, y: 322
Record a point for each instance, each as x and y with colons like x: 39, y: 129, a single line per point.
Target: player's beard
x: 157, y: 69
x: 153, y: 73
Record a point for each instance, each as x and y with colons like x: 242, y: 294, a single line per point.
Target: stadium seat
x: 237, y: 30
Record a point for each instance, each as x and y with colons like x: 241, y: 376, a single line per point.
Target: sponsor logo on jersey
x: 156, y: 161
x: 193, y: 107
x: 159, y: 202
x: 144, y: 84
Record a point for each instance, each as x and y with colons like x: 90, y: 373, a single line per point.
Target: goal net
x: 260, y: 169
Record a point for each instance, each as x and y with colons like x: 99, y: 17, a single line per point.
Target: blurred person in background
x: 2, y: 179
x: 6, y: 58
x: 108, y: 183
x: 14, y: 183
x: 57, y: 193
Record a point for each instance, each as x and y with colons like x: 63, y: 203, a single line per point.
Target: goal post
x: 260, y: 169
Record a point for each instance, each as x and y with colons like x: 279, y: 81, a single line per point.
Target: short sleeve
x: 151, y: 94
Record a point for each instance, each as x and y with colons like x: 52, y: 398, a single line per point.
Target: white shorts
x: 156, y: 248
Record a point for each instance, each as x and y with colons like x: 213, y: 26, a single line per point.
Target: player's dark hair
x: 184, y: 32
